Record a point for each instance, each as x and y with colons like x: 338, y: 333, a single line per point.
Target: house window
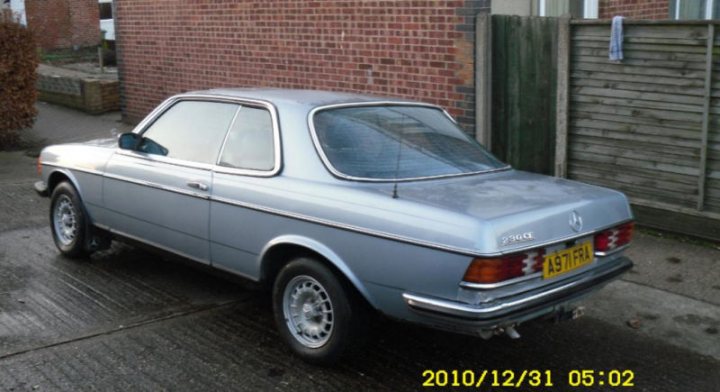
x: 105, y: 9
x: 695, y: 9
x: 575, y: 8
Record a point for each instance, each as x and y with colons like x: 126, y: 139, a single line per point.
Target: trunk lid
x: 522, y: 209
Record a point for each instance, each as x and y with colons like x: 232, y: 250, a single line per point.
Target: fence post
x: 483, y: 79
x: 563, y: 81
x: 706, y: 116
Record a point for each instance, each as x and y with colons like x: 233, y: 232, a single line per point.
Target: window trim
x: 707, y: 15
x: 591, y: 8
x: 338, y: 174
x: 170, y: 102
x: 250, y: 172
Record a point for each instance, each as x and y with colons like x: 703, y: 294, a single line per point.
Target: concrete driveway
x: 128, y: 319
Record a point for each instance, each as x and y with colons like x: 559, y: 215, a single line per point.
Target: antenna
x: 399, y: 155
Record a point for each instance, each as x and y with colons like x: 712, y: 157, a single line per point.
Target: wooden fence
x: 524, y: 53
x: 648, y: 126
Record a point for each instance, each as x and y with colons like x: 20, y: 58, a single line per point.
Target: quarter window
x: 189, y: 130
x: 249, y: 144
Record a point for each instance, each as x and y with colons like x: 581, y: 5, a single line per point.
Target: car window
x: 189, y: 130
x: 249, y: 143
x: 398, y: 142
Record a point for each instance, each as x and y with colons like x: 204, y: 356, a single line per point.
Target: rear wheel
x: 316, y: 313
x: 68, y: 221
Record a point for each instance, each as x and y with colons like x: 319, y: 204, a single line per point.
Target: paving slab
x: 655, y: 313
x: 675, y: 266
x: 46, y: 298
x: 232, y: 348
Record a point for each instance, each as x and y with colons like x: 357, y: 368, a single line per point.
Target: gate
x: 522, y: 83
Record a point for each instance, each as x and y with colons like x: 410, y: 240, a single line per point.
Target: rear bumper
x: 522, y: 307
x: 41, y: 189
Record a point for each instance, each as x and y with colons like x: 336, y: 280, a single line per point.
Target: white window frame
x: 18, y: 8
x: 708, y: 8
x: 590, y: 8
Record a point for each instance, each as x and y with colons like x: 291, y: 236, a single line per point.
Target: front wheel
x: 67, y: 221
x: 314, y: 310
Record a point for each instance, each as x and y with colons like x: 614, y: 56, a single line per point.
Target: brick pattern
x: 64, y: 23
x: 634, y: 9
x: 420, y: 49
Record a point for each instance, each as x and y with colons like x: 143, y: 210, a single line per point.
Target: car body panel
x: 416, y: 245
x: 163, y: 209
x: 83, y: 164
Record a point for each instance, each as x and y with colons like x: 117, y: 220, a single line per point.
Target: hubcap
x: 308, y: 311
x: 65, y: 220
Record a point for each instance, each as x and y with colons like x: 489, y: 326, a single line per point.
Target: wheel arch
x: 283, y: 249
x: 59, y: 175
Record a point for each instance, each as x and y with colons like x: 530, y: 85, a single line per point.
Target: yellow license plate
x: 567, y: 260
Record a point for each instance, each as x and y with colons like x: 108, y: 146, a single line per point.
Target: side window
x: 189, y: 130
x: 249, y: 144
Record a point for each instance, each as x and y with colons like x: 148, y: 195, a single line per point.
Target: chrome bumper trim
x: 526, y: 302
x: 612, y: 252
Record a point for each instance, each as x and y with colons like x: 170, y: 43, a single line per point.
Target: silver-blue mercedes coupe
x: 342, y: 204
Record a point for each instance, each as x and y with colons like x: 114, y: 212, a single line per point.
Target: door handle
x: 197, y: 185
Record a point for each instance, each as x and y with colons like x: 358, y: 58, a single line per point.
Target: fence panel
x: 650, y: 124
x: 523, y: 104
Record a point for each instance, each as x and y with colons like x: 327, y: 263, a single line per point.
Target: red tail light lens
x: 614, y: 238
x: 497, y: 269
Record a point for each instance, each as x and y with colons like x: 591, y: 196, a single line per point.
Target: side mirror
x: 128, y: 141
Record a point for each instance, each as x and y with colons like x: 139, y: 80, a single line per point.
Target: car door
x: 159, y: 192
x: 243, y: 179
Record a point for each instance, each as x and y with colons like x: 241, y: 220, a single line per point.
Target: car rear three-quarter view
x: 342, y: 204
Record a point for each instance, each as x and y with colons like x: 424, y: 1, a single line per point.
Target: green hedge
x: 18, y: 64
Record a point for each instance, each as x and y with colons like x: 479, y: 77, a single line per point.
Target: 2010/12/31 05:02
x: 531, y: 378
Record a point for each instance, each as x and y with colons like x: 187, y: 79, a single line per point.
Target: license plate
x: 567, y: 260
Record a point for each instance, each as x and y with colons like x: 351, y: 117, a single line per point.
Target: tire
x: 68, y: 221
x: 319, y: 334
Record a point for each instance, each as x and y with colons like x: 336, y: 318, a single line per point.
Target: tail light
x: 497, y: 269
x: 614, y: 238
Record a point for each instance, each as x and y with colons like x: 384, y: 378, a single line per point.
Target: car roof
x: 306, y: 98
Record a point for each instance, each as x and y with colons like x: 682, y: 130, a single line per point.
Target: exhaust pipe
x: 511, y: 332
x: 508, y: 330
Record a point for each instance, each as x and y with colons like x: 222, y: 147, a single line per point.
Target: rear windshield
x: 398, y: 143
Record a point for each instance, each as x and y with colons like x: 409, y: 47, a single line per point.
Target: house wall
x: 64, y: 23
x: 634, y: 9
x: 419, y: 49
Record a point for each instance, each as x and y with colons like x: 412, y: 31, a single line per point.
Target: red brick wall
x: 420, y: 49
x: 634, y: 9
x: 64, y: 23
